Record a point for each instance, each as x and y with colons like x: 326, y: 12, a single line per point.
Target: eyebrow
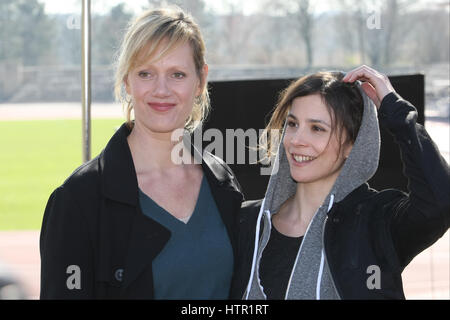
x: 310, y: 120
x: 172, y: 67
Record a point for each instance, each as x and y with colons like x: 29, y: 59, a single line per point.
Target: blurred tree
x: 430, y: 39
x: 67, y: 41
x: 380, y: 28
x: 305, y: 18
x: 107, y: 32
x: 391, y: 24
x: 234, y: 34
x: 25, y: 31
x: 300, y: 17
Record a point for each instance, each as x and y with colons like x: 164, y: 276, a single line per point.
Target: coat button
x: 118, y: 275
x: 335, y: 220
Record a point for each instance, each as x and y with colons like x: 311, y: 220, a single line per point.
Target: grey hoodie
x: 310, y: 277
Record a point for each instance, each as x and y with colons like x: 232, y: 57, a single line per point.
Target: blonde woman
x: 134, y: 223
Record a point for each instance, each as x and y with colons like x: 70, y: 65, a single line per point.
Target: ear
x: 347, y: 149
x: 203, y: 77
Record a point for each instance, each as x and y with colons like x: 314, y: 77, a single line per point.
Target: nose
x: 299, y: 138
x: 161, y: 89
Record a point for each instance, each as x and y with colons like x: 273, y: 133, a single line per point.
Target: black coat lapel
x: 147, y: 239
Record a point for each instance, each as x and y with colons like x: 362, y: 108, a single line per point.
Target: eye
x: 291, y: 124
x: 179, y: 75
x: 144, y: 74
x: 318, y: 129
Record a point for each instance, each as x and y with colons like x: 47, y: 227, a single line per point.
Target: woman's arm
x: 422, y: 217
x: 66, y: 261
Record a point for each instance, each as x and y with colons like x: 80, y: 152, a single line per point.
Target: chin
x: 300, y: 178
x: 163, y: 127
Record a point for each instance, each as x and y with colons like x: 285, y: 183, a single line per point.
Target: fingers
x: 378, y: 81
x: 371, y: 93
x: 362, y: 73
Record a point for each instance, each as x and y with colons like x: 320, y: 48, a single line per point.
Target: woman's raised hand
x: 376, y: 85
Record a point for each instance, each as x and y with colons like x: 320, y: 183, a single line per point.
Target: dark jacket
x: 367, y: 228
x: 94, y: 229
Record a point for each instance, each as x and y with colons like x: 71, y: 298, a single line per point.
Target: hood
x: 359, y: 167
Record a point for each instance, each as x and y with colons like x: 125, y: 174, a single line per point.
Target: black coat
x: 370, y: 228
x: 93, y: 227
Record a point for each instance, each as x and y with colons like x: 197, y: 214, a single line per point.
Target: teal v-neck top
x: 197, y: 261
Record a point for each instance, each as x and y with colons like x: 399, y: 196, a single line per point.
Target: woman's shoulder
x: 75, y: 197
x: 387, y: 196
x: 84, y: 179
x: 366, y: 197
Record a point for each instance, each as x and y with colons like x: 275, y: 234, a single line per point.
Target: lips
x: 161, y: 107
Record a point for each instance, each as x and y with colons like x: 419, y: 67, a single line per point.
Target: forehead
x: 167, y: 54
x: 308, y: 106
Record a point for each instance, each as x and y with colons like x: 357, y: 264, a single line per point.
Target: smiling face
x: 311, y: 144
x: 163, y: 91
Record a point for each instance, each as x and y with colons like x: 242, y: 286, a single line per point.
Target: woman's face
x: 311, y: 149
x: 163, y: 91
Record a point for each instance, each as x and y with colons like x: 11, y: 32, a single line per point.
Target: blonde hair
x: 169, y: 27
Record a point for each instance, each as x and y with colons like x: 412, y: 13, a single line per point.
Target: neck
x: 152, y: 151
x: 310, y: 196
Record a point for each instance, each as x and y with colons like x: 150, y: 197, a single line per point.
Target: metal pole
x: 86, y: 78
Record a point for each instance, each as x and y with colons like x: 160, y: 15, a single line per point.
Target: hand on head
x: 376, y: 85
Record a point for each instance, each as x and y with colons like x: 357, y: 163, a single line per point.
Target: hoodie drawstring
x: 331, y: 202
x: 322, y: 256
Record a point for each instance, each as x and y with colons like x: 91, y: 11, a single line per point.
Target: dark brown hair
x: 343, y: 100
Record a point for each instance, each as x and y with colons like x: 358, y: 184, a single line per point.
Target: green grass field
x: 36, y: 157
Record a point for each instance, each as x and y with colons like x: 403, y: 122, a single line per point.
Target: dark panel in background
x: 247, y: 104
